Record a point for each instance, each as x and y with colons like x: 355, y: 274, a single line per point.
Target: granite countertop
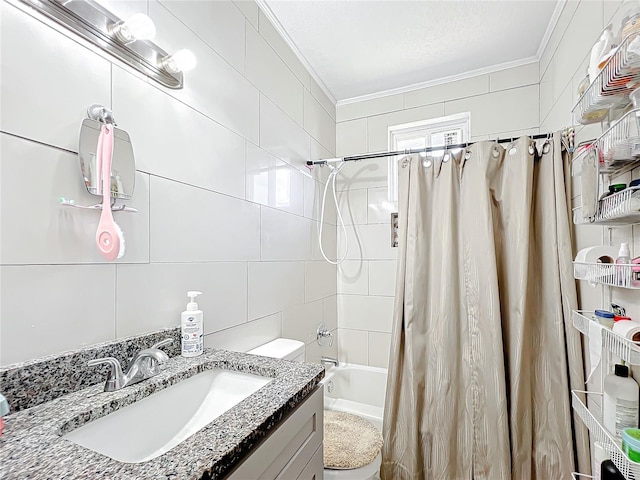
x: 32, y: 446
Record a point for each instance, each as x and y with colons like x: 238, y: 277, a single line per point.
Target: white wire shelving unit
x: 614, y: 275
x: 617, y: 149
x: 611, y: 88
x: 579, y: 476
x: 619, y: 346
x: 587, y: 408
x: 622, y: 208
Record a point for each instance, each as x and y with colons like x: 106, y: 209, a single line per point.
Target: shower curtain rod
x: 368, y: 156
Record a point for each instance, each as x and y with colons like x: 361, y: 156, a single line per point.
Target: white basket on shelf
x: 615, y: 275
x: 613, y: 84
x: 621, y: 347
x: 581, y: 320
x: 592, y: 418
x: 618, y: 148
x: 622, y: 208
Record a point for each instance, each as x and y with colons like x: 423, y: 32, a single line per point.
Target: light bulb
x: 181, y: 61
x: 138, y: 27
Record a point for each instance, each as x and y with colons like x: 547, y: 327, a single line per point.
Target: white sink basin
x: 154, y: 425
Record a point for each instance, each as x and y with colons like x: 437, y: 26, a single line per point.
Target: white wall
x: 207, y: 157
x: 502, y: 104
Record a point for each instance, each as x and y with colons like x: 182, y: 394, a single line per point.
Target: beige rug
x: 349, y: 441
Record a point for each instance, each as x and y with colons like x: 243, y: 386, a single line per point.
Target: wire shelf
x: 621, y: 347
x: 581, y: 320
x: 579, y: 476
x: 614, y: 275
x: 617, y: 149
x: 592, y: 418
x: 622, y: 208
x: 613, y: 84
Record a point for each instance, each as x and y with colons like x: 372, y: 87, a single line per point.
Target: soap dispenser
x: 192, y: 328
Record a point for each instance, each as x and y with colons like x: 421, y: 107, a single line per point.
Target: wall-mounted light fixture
x: 126, y: 39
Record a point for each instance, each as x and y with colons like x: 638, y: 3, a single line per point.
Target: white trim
x: 440, y: 81
x: 551, y: 26
x: 262, y: 4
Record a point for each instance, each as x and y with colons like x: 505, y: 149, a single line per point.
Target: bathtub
x: 360, y: 390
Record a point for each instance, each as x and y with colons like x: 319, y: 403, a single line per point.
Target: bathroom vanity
x: 275, y: 431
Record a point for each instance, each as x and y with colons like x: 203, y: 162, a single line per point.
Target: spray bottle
x: 192, y: 328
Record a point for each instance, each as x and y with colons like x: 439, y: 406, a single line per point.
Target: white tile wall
x: 281, y: 136
x: 368, y: 313
x: 351, y: 137
x: 488, y: 114
x: 30, y: 52
x: 52, y: 308
x: 219, y: 24
x: 274, y: 183
x: 353, y: 346
x: 153, y: 296
x: 274, y: 287
x: 379, y: 208
x: 379, y: 346
x: 221, y: 181
x: 514, y: 77
x: 378, y: 125
x: 250, y: 10
x: 320, y: 280
x: 270, y: 34
x: 284, y: 236
x: 214, y: 87
x: 36, y: 229
x: 301, y: 322
x: 353, y: 277
x: 353, y: 206
x: 367, y: 108
x: 447, y: 91
x: 213, y: 158
x: 382, y: 277
x: 368, y: 242
x: 248, y: 335
x: 266, y: 70
x: 190, y: 224
x: 319, y: 123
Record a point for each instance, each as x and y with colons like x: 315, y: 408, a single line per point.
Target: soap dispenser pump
x: 192, y: 328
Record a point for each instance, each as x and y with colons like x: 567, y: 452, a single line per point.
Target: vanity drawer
x: 287, y: 452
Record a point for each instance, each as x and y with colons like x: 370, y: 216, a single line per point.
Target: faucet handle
x: 323, y: 332
x: 115, y: 380
x: 163, y: 343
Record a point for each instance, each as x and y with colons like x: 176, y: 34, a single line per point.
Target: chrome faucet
x: 145, y: 364
x: 331, y: 360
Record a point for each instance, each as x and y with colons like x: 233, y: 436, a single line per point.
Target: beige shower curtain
x: 483, y: 355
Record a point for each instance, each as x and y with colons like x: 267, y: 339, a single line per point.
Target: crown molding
x: 439, y: 81
x: 262, y: 4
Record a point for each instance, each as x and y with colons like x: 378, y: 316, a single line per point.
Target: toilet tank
x: 284, y: 348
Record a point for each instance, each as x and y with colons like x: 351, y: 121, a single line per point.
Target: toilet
x: 288, y: 349
x: 284, y: 348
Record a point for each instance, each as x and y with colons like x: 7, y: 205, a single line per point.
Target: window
x: 444, y: 131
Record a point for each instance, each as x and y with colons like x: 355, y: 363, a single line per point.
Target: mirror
x: 123, y: 167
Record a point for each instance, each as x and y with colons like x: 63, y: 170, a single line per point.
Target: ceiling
x: 359, y: 48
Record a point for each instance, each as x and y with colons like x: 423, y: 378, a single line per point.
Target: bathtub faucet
x: 331, y: 360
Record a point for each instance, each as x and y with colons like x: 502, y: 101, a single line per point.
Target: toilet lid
x: 349, y: 441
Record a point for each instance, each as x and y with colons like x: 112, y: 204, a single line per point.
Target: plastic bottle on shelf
x: 621, y: 401
x: 623, y: 267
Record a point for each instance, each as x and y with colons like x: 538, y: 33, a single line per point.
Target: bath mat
x: 349, y: 441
